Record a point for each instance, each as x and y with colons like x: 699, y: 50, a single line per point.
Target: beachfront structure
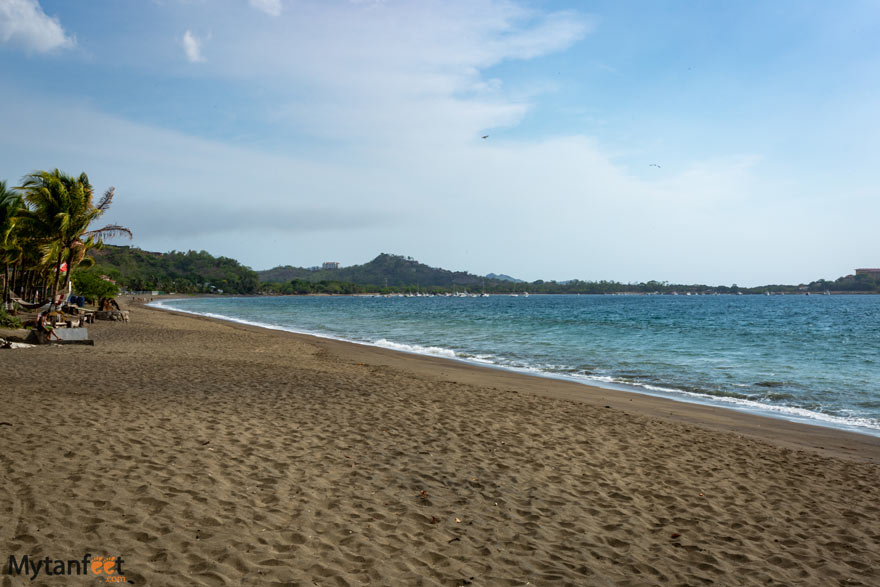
x: 871, y: 272
x: 330, y: 265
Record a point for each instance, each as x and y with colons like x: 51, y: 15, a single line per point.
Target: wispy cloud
x: 23, y: 23
x: 397, y: 63
x: 270, y: 7
x: 192, y: 46
x: 560, y: 196
x: 556, y: 31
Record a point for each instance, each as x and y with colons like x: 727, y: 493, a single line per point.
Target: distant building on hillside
x: 330, y: 265
x: 871, y: 272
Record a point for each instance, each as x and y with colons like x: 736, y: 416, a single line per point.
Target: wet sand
x: 211, y: 453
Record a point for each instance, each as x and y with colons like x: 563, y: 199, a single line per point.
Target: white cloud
x: 397, y: 95
x: 555, y: 32
x: 192, y: 46
x: 270, y: 7
x: 558, y: 208
x: 23, y: 23
x: 381, y: 72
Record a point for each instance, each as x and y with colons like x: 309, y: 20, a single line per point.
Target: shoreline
x: 710, y: 406
x: 209, y: 452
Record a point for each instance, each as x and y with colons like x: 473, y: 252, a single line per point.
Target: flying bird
x: 485, y: 136
x: 653, y: 165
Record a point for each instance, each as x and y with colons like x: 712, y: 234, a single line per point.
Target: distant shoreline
x: 135, y: 269
x: 317, y: 295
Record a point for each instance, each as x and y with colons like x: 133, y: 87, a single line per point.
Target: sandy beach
x: 212, y: 453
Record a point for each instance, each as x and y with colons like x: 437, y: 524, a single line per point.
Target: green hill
x: 189, y: 272
x: 384, y: 270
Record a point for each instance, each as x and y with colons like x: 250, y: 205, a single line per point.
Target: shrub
x: 89, y: 285
x: 7, y: 321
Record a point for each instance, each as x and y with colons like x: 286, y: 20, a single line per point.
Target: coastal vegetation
x: 93, y: 285
x: 8, y: 321
x: 46, y: 233
x: 398, y: 274
x: 189, y: 272
x: 200, y: 272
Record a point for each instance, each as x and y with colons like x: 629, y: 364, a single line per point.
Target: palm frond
x: 106, y: 200
x: 109, y: 231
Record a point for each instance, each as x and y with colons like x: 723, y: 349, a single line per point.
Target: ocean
x: 810, y: 359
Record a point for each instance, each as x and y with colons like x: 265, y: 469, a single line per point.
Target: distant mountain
x: 384, y: 270
x: 503, y: 277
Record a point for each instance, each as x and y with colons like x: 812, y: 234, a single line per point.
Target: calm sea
x: 806, y: 358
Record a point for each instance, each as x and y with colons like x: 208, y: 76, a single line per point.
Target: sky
x: 681, y: 141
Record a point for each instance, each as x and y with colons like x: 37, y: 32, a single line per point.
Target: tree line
x: 302, y: 286
x: 187, y: 272
x: 46, y: 233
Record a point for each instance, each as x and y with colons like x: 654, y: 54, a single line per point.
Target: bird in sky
x: 485, y: 136
x: 653, y: 165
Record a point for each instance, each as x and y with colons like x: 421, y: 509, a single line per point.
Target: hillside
x: 384, y: 270
x: 503, y: 277
x: 190, y: 272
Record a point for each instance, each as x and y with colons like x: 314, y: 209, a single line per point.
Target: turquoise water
x: 807, y: 358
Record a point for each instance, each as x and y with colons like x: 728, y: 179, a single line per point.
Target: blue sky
x: 684, y: 141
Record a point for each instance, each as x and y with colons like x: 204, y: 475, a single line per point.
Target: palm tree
x: 94, y: 238
x: 60, y: 210
x: 77, y: 249
x: 10, y: 203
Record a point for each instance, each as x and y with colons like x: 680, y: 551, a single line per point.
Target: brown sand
x: 209, y: 453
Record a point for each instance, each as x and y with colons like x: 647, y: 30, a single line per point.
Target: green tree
x: 60, y: 210
x: 91, y: 286
x: 10, y: 203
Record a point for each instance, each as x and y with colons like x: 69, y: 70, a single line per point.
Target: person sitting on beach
x: 45, y: 329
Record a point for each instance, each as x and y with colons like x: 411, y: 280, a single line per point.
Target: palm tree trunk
x: 52, y: 304
x: 36, y: 286
x: 5, y: 285
x: 16, y: 275
x: 69, y: 269
x: 24, y: 289
x: 29, y: 285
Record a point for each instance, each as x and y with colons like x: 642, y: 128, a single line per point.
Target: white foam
x: 163, y: 306
x: 741, y: 404
x: 863, y: 425
x: 435, y: 351
x: 484, y: 359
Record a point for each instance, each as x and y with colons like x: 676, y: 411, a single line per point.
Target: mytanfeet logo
x: 108, y: 567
